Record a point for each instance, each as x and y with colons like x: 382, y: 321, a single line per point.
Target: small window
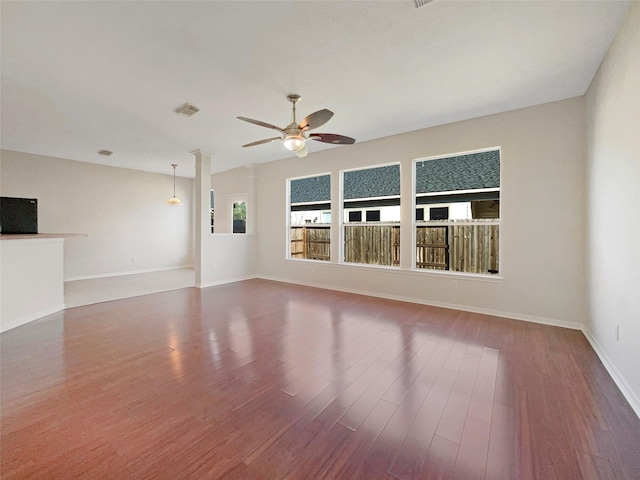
x: 355, y: 216
x: 439, y: 213
x: 239, y: 212
x: 240, y: 217
x: 419, y: 213
x: 373, y: 215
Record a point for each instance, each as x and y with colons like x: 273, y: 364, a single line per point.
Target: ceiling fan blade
x: 303, y: 151
x: 261, y: 124
x: 332, y: 138
x: 316, y: 119
x: 260, y: 142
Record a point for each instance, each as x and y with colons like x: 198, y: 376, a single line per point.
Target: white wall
x: 124, y: 213
x: 229, y: 183
x: 31, y: 280
x: 231, y: 257
x: 613, y: 221
x: 542, y: 214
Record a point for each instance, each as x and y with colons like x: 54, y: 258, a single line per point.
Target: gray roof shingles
x: 372, y: 182
x: 311, y: 189
x: 461, y: 172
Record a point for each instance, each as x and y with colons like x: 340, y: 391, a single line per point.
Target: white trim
x: 302, y: 204
x: 214, y: 235
x: 7, y: 237
x: 366, y: 199
x: 129, y: 272
x: 476, y: 277
x: 417, y: 223
x: 311, y: 176
x: 465, y: 308
x: 288, y: 205
x: 307, y: 260
x: 342, y: 209
x: 371, y: 167
x: 421, y: 272
x: 455, y: 192
x: 30, y: 318
x: 372, y: 223
x: 615, y: 374
x: 287, y: 216
x: 223, y: 282
x: 340, y: 220
x: 453, y: 223
x: 460, y: 154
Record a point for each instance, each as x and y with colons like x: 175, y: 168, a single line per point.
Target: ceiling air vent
x: 187, y: 110
x: 422, y: 3
x: 106, y: 153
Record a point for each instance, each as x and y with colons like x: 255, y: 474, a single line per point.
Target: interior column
x: 203, y: 215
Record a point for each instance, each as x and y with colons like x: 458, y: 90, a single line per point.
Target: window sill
x: 309, y: 260
x: 231, y: 235
x: 480, y: 277
x: 474, y: 277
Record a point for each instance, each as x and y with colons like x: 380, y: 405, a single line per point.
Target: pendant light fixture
x: 174, y: 200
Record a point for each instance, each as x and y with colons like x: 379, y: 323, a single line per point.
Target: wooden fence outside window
x: 374, y: 244
x: 458, y: 248
x: 312, y: 242
x: 468, y: 247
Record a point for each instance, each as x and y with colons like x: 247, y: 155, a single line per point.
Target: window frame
x: 288, y: 224
x: 489, y: 277
x: 342, y: 223
x: 231, y: 201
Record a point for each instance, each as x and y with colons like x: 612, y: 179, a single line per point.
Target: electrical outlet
x: 134, y: 259
x: 454, y: 284
x: 617, y: 333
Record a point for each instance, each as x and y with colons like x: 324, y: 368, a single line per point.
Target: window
x: 376, y: 192
x: 240, y: 217
x: 458, y: 228
x: 355, y: 216
x: 310, y: 218
x: 238, y: 213
x: 373, y: 215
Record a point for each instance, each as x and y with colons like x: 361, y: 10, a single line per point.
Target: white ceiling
x: 78, y: 77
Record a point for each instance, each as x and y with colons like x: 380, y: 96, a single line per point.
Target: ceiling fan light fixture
x: 294, y: 143
x: 295, y: 136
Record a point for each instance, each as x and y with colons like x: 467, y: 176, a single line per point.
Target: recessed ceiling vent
x: 422, y: 3
x: 106, y: 153
x: 187, y: 110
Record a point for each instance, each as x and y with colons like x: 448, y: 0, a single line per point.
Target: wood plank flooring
x: 264, y: 380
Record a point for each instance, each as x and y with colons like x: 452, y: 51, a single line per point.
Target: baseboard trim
x: 30, y: 318
x: 130, y: 272
x: 452, y: 306
x: 223, y: 282
x: 615, y: 374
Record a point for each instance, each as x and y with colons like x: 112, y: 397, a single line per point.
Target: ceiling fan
x: 296, y: 135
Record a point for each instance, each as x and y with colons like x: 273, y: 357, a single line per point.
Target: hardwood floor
x: 263, y: 380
